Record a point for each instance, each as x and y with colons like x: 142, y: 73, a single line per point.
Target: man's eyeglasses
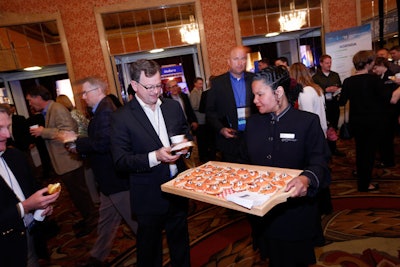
x: 173, y: 86
x: 88, y: 91
x: 151, y: 87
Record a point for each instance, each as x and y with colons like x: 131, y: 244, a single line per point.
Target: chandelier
x: 190, y: 32
x: 293, y: 20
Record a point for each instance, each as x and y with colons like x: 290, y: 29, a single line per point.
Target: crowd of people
x: 280, y: 116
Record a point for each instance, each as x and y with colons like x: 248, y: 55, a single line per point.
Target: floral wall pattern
x: 342, y: 15
x: 220, y: 33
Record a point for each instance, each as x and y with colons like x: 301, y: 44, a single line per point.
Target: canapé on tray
x: 202, y: 183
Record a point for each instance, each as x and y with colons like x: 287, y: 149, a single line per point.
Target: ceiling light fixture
x: 33, y: 68
x: 292, y: 20
x: 157, y: 50
x: 190, y: 32
x: 272, y: 34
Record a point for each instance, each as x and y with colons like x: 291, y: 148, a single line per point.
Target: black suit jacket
x: 133, y: 137
x: 221, y: 111
x: 20, y: 132
x: 307, y: 151
x: 13, y: 233
x: 188, y: 109
x: 221, y: 107
x: 97, y: 148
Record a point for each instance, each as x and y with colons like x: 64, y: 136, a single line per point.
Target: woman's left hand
x: 299, y: 185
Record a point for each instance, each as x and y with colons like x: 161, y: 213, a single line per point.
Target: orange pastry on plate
x: 233, y: 178
x: 229, y: 170
x: 200, y: 187
x: 262, y: 181
x: 239, y: 186
x: 267, y: 175
x: 197, y: 172
x: 189, y: 185
x: 214, y: 189
x: 180, y: 182
x: 253, y: 174
x: 225, y: 184
x: 278, y: 182
x: 254, y: 187
x: 268, y: 189
x: 246, y: 179
x: 219, y: 176
x: 242, y: 171
x: 286, y: 177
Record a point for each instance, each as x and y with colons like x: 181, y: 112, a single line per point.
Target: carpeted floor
x: 363, y: 230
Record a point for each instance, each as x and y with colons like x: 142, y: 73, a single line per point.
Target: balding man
x: 113, y: 185
x: 175, y: 92
x: 230, y: 103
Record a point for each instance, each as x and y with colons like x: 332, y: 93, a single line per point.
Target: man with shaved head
x: 230, y: 103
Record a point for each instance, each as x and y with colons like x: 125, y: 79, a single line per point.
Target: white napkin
x: 247, y: 199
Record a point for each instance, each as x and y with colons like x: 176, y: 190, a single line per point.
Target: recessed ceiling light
x: 395, y: 36
x: 158, y: 50
x: 272, y: 34
x: 33, y: 68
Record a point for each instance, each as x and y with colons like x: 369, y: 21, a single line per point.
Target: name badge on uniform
x: 287, y: 137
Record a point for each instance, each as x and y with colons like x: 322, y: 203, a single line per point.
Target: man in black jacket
x: 20, y: 135
x: 230, y: 103
x: 113, y: 185
x: 18, y: 201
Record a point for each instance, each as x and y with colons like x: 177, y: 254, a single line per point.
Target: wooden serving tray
x: 279, y: 197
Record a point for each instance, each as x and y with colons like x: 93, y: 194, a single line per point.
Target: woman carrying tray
x: 281, y: 136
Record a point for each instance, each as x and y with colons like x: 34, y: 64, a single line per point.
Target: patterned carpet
x: 363, y: 230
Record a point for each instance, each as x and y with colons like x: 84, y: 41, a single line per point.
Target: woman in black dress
x: 282, y: 136
x: 365, y: 93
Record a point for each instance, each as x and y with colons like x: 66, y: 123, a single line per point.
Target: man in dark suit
x: 20, y: 136
x: 18, y: 200
x: 230, y: 103
x: 141, y: 146
x: 113, y: 185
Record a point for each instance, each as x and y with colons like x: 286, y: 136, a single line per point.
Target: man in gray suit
x: 66, y: 165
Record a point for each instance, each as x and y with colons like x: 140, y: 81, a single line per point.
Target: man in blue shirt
x: 230, y: 103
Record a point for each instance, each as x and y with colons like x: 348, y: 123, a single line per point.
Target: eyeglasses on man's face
x: 173, y: 86
x: 88, y: 91
x: 151, y: 87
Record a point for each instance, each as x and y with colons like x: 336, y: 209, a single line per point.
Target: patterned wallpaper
x: 80, y: 29
x: 342, y: 15
x: 220, y: 33
x: 83, y: 39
